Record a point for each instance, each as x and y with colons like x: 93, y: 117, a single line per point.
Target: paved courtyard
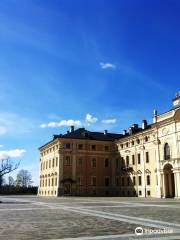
x: 80, y: 218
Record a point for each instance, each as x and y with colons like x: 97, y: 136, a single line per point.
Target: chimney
x: 135, y: 126
x: 154, y: 116
x: 130, y: 130
x: 105, y: 132
x: 144, y: 124
x: 72, y: 128
x: 176, y: 100
x: 124, y: 132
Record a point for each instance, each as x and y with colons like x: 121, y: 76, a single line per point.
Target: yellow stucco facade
x: 143, y: 161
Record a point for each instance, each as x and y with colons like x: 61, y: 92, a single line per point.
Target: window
x: 138, y: 141
x: 55, y: 183
x: 56, y: 161
x: 67, y: 145
x: 80, y: 146
x: 166, y: 151
x: 127, y: 144
x: 53, y: 162
x: 46, y: 164
x: 49, y: 183
x: 146, y: 139
x: 149, y: 193
x: 147, y: 157
x: 134, y: 180
x: 79, y: 180
x: 122, y: 146
x: 93, y: 162
x: 106, y: 148
x: 139, y: 180
x: 148, y: 180
x: 133, y: 159
x: 106, y: 162
x: 80, y: 161
x: 107, y: 181
x: 49, y: 163
x: 52, y: 182
x: 128, y: 181
x: 93, y: 147
x: 67, y: 161
x: 139, y: 158
x: 93, y: 181
x: 127, y: 160
x: 140, y: 193
x: 132, y: 143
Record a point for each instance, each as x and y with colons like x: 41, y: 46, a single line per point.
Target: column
x: 177, y: 184
x: 143, y: 175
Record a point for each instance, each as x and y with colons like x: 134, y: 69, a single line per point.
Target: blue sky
x: 84, y: 61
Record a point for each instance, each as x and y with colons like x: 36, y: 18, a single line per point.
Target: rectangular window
x: 128, y: 181
x: 93, y: 147
x: 127, y: 161
x: 52, y: 182
x: 56, y: 161
x: 80, y: 161
x: 80, y: 146
x: 67, y: 161
x: 139, y: 180
x: 149, y: 193
x: 147, y: 157
x: 79, y: 180
x: 53, y: 162
x: 55, y: 181
x: 93, y: 181
x: 134, y: 180
x: 106, y: 163
x: 148, y: 180
x: 67, y: 145
x: 49, y: 163
x: 107, y: 181
x: 106, y: 148
x: 93, y: 162
x: 139, y: 158
x: 133, y: 159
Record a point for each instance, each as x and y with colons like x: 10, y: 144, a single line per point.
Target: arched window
x: 166, y: 151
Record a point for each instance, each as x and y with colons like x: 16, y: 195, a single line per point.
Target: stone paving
x: 80, y: 218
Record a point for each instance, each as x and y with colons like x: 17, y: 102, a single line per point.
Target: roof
x: 82, y: 133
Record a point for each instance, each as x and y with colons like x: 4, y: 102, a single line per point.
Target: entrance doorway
x: 169, y: 186
x: 67, y: 189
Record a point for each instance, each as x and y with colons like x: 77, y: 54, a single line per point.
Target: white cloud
x: 12, y: 153
x: 61, y: 124
x: 107, y: 65
x: 1, y: 146
x: 90, y: 118
x: 109, y: 121
x: 14, y: 124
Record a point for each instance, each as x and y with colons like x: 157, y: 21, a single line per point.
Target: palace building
x: 144, y: 161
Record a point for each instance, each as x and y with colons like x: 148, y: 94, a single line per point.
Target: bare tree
x: 7, y: 166
x: 24, y: 178
x: 11, y: 181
